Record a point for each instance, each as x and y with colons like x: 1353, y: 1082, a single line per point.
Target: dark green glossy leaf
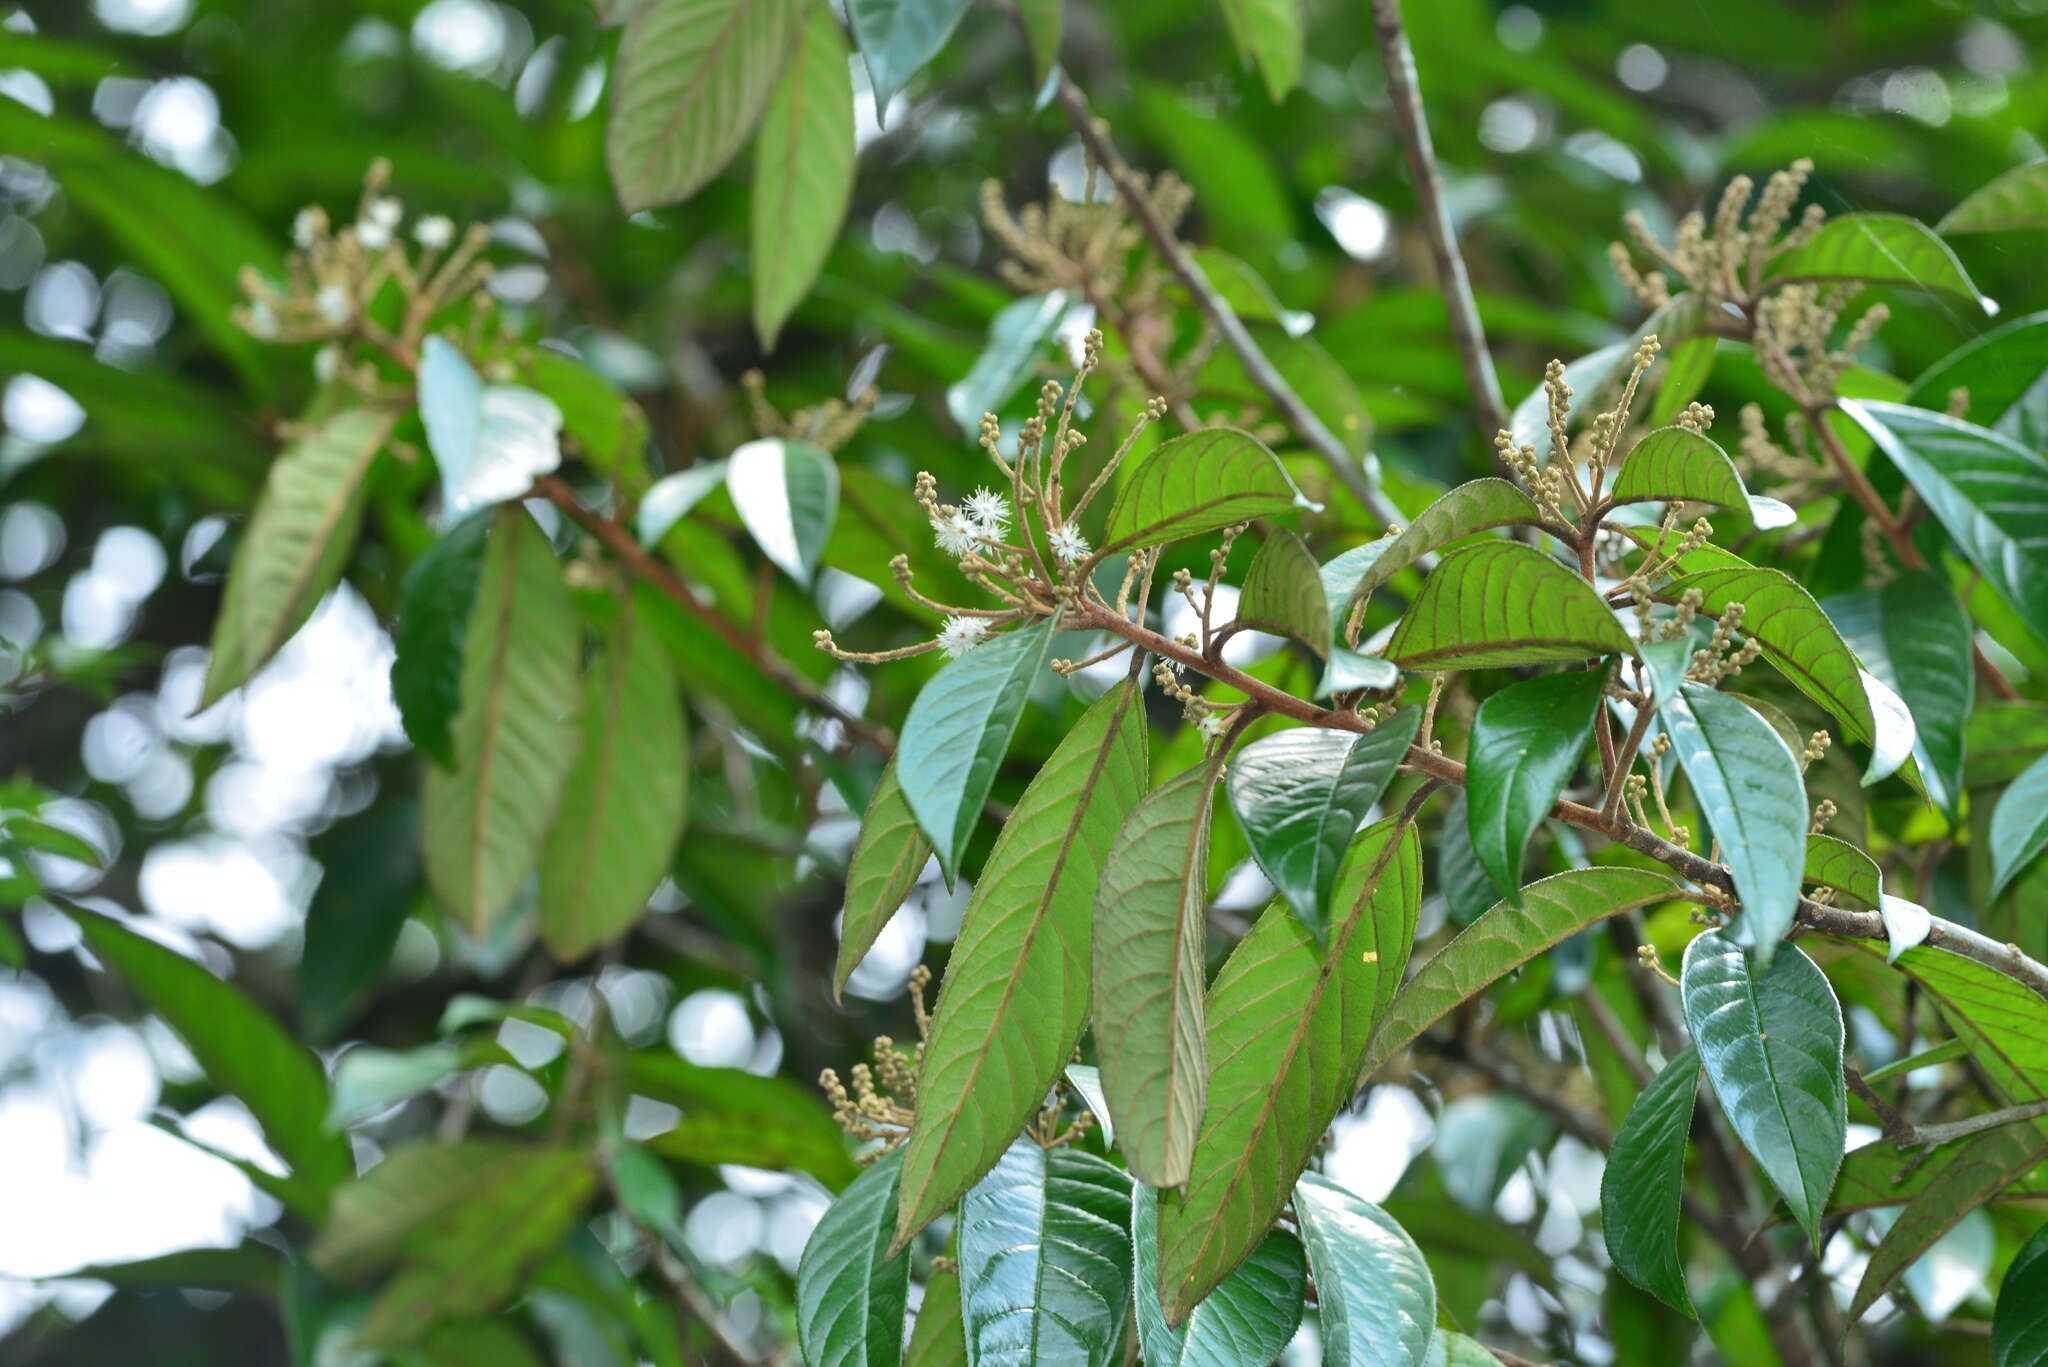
x: 1641, y: 1186
x: 1915, y: 636
x: 1526, y: 741
x: 2017, y: 199
x: 2019, y: 1325
x: 1245, y: 1322
x: 370, y: 880
x: 1878, y: 249
x: 1375, y: 1299
x: 887, y: 859
x: 1200, y: 482
x: 899, y: 36
x: 803, y: 171
x: 850, y: 1293
x: 433, y: 623
x: 1503, y: 603
x: 2019, y: 825
x: 1475, y: 506
x: 1771, y: 1042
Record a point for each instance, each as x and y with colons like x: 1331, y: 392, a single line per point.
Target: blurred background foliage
x: 151, y: 148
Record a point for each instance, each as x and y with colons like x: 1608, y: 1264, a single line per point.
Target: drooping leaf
x: 1475, y: 506
x: 1268, y: 34
x: 1839, y: 865
x: 897, y: 37
x: 1016, y: 339
x: 2019, y: 825
x: 1503, y: 939
x: 434, y: 605
x: 1148, y: 975
x: 803, y: 171
x: 691, y: 79
x: 957, y: 732
x: 1245, y: 1322
x: 296, y: 544
x: 1015, y: 996
x: 887, y: 859
x: 1990, y: 493
x: 1290, y: 1021
x: 2019, y: 1324
x: 1503, y: 603
x: 1526, y: 740
x: 1640, y: 1188
x: 850, y: 1291
x: 1283, y: 592
x: 1748, y: 787
x: 1045, y: 1259
x: 1877, y: 249
x: 515, y: 734
x: 1301, y: 796
x: 1770, y: 1040
x: 1676, y: 463
x: 489, y: 440
x: 2017, y: 199
x: 623, y: 801
x: 1199, y: 482
x: 1375, y: 1299
x: 2003, y: 1022
x: 1914, y: 636
x: 244, y: 1052
x: 787, y: 494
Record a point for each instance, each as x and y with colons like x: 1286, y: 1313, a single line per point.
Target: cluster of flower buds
x: 1721, y: 262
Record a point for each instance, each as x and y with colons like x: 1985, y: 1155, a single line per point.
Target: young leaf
x: 957, y: 732
x: 938, y: 1338
x: 1016, y: 337
x: 690, y: 81
x: 1290, y: 1020
x: 1839, y: 865
x: 623, y: 802
x: 1268, y: 33
x: 899, y: 36
x: 433, y: 621
x: 1675, y: 464
x: 296, y: 545
x: 1771, y: 1042
x: 2017, y: 199
x: 1045, y: 1259
x: 488, y: 440
x: 1526, y: 740
x: 1149, y: 923
x: 236, y: 1044
x: 803, y: 171
x: 1245, y: 1322
x: 1301, y: 796
x: 2019, y: 825
x: 887, y: 859
x: 850, y: 1290
x: 1374, y: 1296
x: 1748, y: 787
x: 1915, y: 637
x: 1645, y: 1176
x: 2019, y: 1324
x: 1199, y: 482
x: 1475, y: 506
x: 515, y: 735
x: 1015, y: 996
x: 1503, y: 603
x: 787, y: 494
x: 1876, y: 249
x: 1989, y: 492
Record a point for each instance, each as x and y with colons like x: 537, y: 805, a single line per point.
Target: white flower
x: 375, y: 237
x: 955, y: 533
x: 326, y: 363
x: 434, y: 232
x: 962, y: 634
x: 990, y: 511
x: 306, y: 227
x: 1068, y: 545
x: 333, y: 304
x: 1213, y: 725
x: 262, y: 319
x: 385, y: 212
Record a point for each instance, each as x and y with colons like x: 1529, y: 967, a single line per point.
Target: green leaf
x: 1017, y: 337
x: 1200, y: 482
x: 515, y: 735
x: 1042, y: 20
x: 244, y: 1052
x: 368, y: 1079
x: 887, y: 859
x: 938, y: 1338
x: 1290, y: 1021
x: 370, y: 880
x: 1268, y: 33
x: 1587, y: 378
x: 1676, y: 463
x: 434, y: 603
x: 1989, y: 492
x: 1839, y: 865
x: 1245, y: 1322
x: 2019, y: 825
x: 296, y: 544
x: 1283, y: 592
x: 1771, y: 1042
x: 1915, y: 637
x: 623, y: 802
x: 1015, y: 996
x: 1686, y: 369
x: 1911, y: 1063
x: 2017, y: 199
x: 1374, y: 1295
x: 609, y: 428
x: 1086, y: 1080
x: 1503, y: 603
x: 2019, y: 1324
x: 787, y: 495
x: 1526, y: 741
x: 850, y: 1291
x: 957, y: 732
x: 489, y: 441
x: 2005, y: 374
x: 1640, y: 1189
x: 1475, y: 506
x: 731, y: 1115
x: 1748, y: 786
x: 247, y: 1269
x: 1301, y: 796
x: 1045, y: 1259
x: 803, y: 172
x: 1980, y: 1169
x: 1149, y: 959
x: 1876, y: 249
x: 1502, y: 940
x: 691, y: 79
x: 2004, y: 1023
x: 897, y: 37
